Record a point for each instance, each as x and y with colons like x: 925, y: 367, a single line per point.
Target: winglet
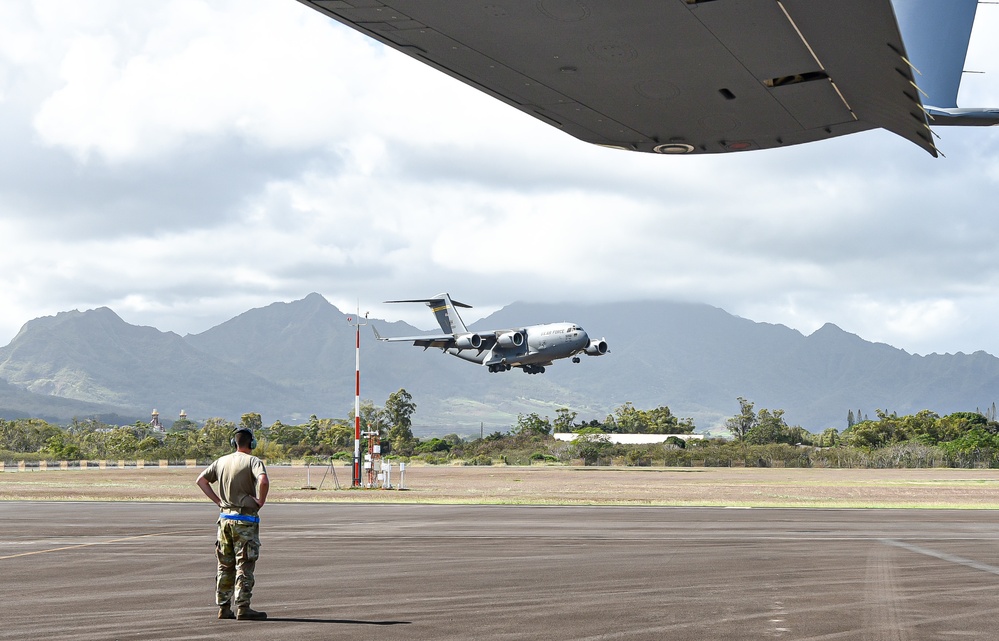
x: 936, y: 35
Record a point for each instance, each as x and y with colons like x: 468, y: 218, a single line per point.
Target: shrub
x: 434, y: 459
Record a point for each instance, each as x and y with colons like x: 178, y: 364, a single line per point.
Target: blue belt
x: 240, y: 517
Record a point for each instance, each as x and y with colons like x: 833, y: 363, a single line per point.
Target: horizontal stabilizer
x: 964, y: 117
x: 438, y: 299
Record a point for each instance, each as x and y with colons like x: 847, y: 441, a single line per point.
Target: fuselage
x: 542, y: 344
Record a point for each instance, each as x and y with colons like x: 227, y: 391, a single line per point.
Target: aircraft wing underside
x: 667, y: 76
x: 429, y: 340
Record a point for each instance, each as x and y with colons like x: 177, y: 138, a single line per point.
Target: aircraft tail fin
x: 444, y: 310
x: 936, y: 35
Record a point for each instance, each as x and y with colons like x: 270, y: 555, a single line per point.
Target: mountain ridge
x: 290, y: 360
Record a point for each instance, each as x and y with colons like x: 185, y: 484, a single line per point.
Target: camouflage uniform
x: 237, y: 546
x: 237, y: 549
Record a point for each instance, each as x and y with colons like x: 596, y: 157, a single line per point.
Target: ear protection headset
x: 253, y: 439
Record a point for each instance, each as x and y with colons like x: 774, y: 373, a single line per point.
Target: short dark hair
x: 243, y: 438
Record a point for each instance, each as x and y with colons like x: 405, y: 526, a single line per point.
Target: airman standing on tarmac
x: 243, y: 486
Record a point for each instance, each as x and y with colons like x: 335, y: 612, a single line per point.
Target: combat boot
x: 225, y: 612
x: 244, y: 613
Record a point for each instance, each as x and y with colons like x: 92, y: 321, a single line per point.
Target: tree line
x: 757, y: 437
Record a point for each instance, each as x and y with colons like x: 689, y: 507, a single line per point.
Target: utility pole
x: 356, y: 322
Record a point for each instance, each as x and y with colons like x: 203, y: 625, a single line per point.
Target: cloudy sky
x: 183, y: 161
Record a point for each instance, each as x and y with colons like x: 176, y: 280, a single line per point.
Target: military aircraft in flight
x: 695, y: 76
x: 530, y: 348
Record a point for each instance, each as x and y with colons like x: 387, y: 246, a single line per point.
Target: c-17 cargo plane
x: 695, y: 76
x: 530, y: 348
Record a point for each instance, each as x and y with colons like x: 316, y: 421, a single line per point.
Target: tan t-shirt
x: 237, y: 476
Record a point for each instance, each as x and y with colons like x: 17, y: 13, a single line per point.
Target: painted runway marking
x: 943, y: 556
x: 87, y: 545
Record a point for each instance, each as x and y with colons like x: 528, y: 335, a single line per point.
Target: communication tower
x: 356, y: 322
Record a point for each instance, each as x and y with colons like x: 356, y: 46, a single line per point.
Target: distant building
x: 633, y: 439
x: 154, y: 422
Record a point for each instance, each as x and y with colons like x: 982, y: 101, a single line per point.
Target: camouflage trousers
x: 237, y: 549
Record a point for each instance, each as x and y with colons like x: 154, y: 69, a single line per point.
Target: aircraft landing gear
x: 534, y: 369
x: 501, y: 367
x: 575, y: 359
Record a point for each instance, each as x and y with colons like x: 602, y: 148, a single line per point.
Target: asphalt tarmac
x: 107, y: 571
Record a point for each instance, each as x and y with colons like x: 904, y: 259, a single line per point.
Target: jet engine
x: 468, y: 341
x: 510, y: 339
x: 596, y: 348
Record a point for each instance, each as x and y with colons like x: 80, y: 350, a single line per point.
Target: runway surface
x: 418, y: 572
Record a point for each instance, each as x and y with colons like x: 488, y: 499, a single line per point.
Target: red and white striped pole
x: 356, y: 482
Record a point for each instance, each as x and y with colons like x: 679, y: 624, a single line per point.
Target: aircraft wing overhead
x: 667, y: 76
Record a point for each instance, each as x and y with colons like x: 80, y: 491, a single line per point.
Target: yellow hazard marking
x: 438, y: 309
x: 87, y: 545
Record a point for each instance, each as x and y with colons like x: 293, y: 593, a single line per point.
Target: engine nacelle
x: 596, y: 348
x: 510, y: 339
x: 468, y: 341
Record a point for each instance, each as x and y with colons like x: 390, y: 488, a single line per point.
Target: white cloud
x: 275, y: 74
x: 201, y: 69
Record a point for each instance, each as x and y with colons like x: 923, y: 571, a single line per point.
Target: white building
x: 632, y: 439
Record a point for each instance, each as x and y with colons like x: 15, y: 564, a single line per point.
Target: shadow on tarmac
x: 342, y: 621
